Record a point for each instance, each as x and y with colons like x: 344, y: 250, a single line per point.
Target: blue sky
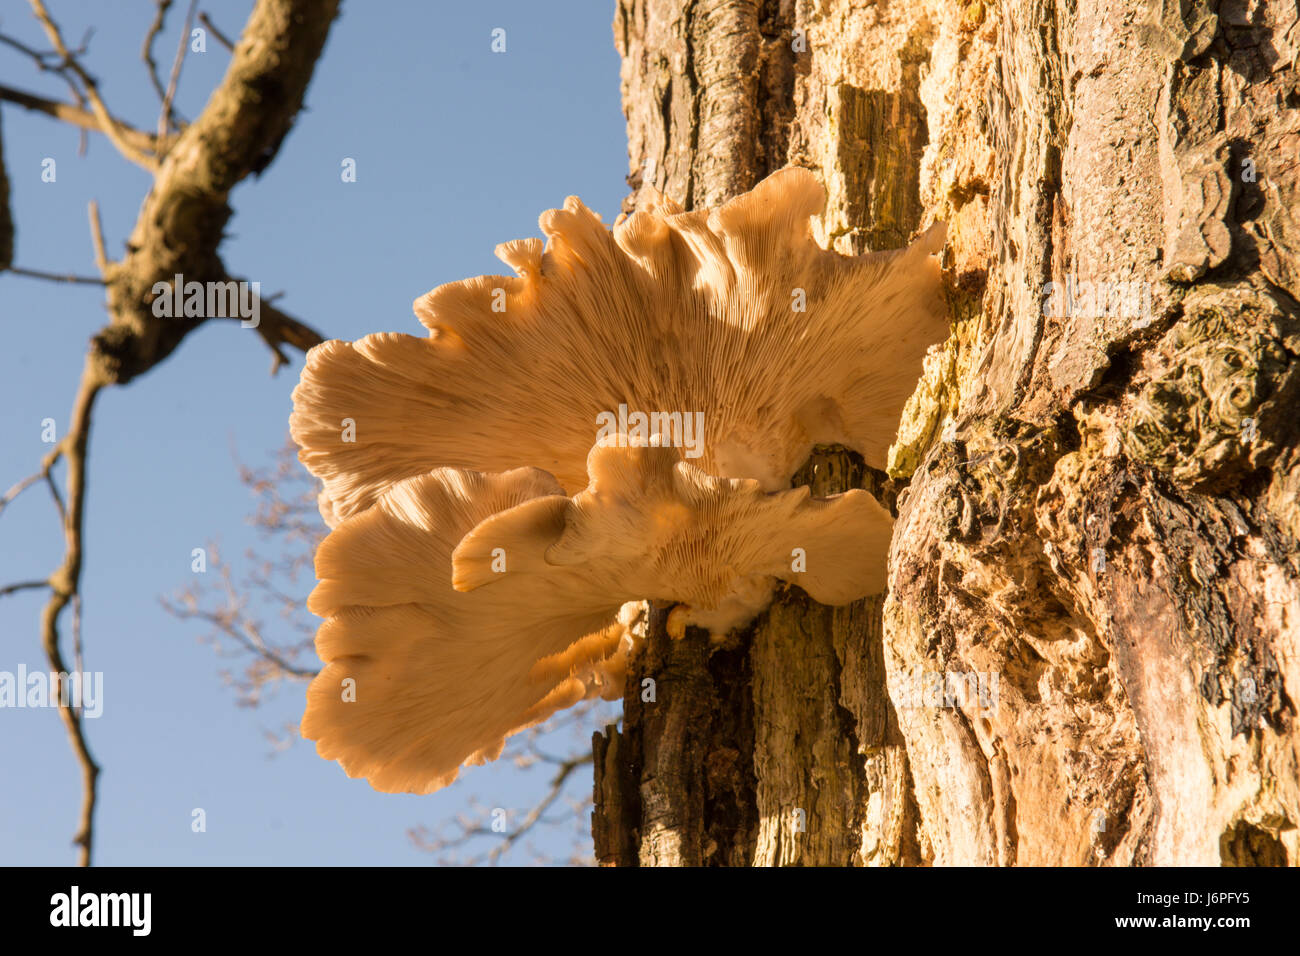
x: 457, y: 149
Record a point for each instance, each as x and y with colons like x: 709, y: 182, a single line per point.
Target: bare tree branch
x: 181, y: 224
x: 107, y: 123
x: 65, y: 583
x: 42, y: 475
x: 231, y: 618
x: 212, y: 28
x: 178, y: 231
x: 166, y: 116
x: 146, y: 49
x: 22, y: 586
x: 97, y: 238
x: 56, y: 276
x: 278, y: 328
x: 50, y: 62
x: 525, y: 752
x: 58, y: 499
x: 6, y: 213
x: 77, y: 116
x: 286, y: 512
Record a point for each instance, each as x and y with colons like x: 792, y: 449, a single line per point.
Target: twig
x: 470, y: 828
x: 212, y: 28
x: 19, y: 488
x: 41, y: 59
x: 264, y: 85
x: 58, y: 499
x: 56, y: 276
x: 526, y: 753
x: 42, y: 475
x: 279, y: 328
x: 78, y: 661
x: 77, y: 116
x: 110, y: 126
x: 556, y: 788
x: 65, y: 585
x: 97, y: 238
x: 43, y: 63
x: 165, y: 115
x: 286, y: 496
x: 22, y: 586
x: 244, y: 632
x: 146, y: 49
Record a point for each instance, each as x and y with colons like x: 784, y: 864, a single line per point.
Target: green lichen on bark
x: 940, y: 391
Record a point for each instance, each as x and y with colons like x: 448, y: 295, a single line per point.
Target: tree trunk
x: 1090, y: 648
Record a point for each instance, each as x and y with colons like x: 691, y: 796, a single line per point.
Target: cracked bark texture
x: 1097, y: 509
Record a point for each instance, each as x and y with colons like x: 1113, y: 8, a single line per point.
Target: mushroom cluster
x: 617, y: 422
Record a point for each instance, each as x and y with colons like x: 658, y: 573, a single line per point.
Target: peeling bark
x: 730, y: 765
x: 1097, y: 506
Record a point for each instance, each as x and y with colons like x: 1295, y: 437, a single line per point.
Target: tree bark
x: 1089, y: 652
x: 176, y: 238
x: 183, y: 219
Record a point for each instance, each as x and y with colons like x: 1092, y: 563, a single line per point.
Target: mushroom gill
x: 617, y: 422
x: 463, y: 607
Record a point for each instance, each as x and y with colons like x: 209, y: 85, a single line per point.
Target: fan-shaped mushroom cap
x: 419, y: 678
x: 735, y: 314
x: 651, y: 525
x: 464, y: 607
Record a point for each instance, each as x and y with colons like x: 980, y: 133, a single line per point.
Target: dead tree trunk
x: 1090, y: 648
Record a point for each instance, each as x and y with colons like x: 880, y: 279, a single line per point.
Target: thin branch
x: 553, y: 793
x: 263, y: 90
x: 65, y: 585
x: 286, y: 495
x: 48, y: 61
x: 525, y: 752
x: 110, y: 126
x: 19, y: 488
x: 77, y: 116
x: 212, y: 28
x: 58, y: 499
x: 22, y: 586
x: 237, y: 133
x: 166, y: 115
x: 42, y: 475
x: 471, y: 828
x: 97, y: 238
x: 245, y: 633
x: 279, y: 328
x: 78, y: 660
x: 146, y: 49
x: 57, y: 276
